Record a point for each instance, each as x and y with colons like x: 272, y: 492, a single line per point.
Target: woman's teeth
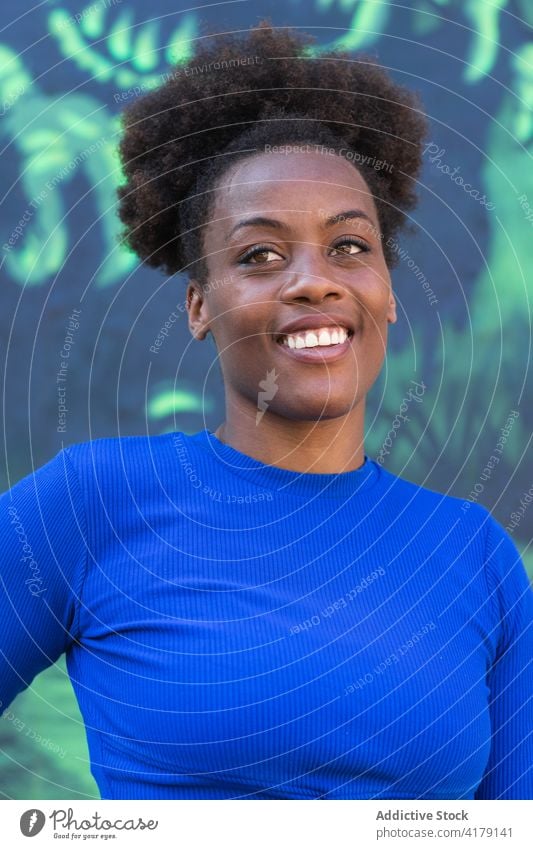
x: 312, y: 338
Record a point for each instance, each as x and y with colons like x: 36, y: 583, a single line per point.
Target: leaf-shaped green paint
x: 180, y: 46
x: 369, y: 21
x: 168, y: 402
x: 119, y: 40
x: 146, y: 50
x: 93, y: 20
x: 484, y: 19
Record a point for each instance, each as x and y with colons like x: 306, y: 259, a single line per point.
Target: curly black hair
x: 239, y: 93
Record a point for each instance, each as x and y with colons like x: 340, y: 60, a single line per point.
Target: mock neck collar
x: 286, y: 481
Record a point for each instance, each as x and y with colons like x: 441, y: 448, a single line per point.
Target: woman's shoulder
x: 116, y: 452
x: 112, y: 446
x: 119, y: 472
x: 463, y: 519
x: 423, y: 498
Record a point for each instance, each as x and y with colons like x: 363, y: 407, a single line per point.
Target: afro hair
x: 240, y: 92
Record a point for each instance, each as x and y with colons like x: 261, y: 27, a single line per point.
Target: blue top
x: 237, y: 630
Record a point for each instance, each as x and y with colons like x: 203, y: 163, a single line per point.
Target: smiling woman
x: 265, y: 611
x: 305, y: 290
x: 296, y: 198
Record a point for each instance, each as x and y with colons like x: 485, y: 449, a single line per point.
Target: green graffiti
x: 372, y: 18
x: 522, y: 63
x: 75, y: 135
x: 484, y: 20
x: 167, y: 401
x: 14, y: 79
x: 482, y: 379
x: 526, y: 11
x: 59, y: 140
x: 474, y: 369
x: 367, y: 24
x: 122, y: 52
x: 506, y: 274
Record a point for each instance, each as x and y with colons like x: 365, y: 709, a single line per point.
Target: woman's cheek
x: 375, y: 300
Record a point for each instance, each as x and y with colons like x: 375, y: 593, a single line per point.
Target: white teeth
x: 311, y: 338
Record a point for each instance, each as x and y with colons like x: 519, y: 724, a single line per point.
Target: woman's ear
x: 197, y: 310
x: 391, y: 312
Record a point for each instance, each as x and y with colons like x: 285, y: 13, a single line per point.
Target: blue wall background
x: 66, y: 69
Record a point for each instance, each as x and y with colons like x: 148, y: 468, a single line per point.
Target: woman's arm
x: 42, y: 564
x: 509, y: 771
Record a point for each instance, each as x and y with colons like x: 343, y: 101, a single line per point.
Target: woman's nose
x: 310, y: 277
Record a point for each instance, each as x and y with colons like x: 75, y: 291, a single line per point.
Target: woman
x: 264, y: 611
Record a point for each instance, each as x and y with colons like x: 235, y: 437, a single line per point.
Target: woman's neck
x: 328, y: 446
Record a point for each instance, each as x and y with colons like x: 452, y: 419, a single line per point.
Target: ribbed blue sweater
x: 234, y: 630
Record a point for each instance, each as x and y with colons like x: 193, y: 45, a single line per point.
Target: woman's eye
x: 361, y: 247
x: 262, y: 252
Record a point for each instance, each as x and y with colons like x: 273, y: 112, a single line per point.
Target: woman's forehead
x: 268, y: 180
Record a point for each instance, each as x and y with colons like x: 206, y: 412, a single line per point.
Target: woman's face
x: 278, y: 255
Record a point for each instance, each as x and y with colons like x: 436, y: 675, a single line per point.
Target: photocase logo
x: 269, y: 387
x: 32, y: 822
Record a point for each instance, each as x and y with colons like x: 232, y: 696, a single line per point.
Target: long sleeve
x: 237, y: 630
x: 42, y: 563
x: 509, y: 771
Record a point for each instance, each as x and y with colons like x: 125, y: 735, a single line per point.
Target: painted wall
x: 70, y: 294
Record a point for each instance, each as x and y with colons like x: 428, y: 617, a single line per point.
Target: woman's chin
x: 318, y: 410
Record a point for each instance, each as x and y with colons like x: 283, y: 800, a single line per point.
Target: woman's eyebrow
x: 262, y: 221
x: 258, y: 221
x: 344, y: 216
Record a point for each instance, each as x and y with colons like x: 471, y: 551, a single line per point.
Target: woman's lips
x: 319, y: 353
